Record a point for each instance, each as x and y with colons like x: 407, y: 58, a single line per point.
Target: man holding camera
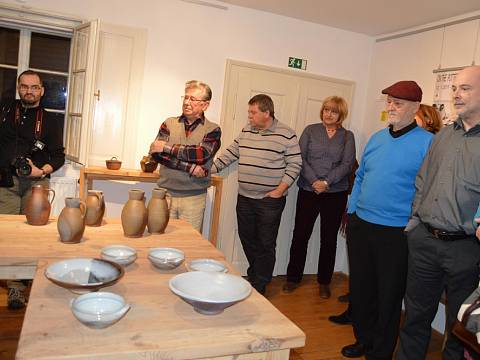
x: 31, y: 143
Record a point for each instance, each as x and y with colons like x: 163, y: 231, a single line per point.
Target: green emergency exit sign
x: 297, y: 63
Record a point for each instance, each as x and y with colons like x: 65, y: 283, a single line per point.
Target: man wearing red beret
x: 379, y: 208
x: 443, y: 250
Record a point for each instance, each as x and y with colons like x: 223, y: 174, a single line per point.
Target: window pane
x: 49, y: 52
x: 9, y: 40
x: 8, y: 77
x: 55, y: 91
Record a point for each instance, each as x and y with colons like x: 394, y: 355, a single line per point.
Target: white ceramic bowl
x: 100, y: 309
x: 206, y: 265
x: 210, y: 292
x: 120, y: 254
x: 166, y: 258
x: 84, y: 274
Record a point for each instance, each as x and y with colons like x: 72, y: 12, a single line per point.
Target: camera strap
x: 38, y: 120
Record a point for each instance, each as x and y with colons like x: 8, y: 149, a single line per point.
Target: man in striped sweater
x: 269, y: 161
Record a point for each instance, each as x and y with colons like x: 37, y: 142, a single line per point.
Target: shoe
x: 16, y: 299
x: 344, y: 298
x: 324, y: 291
x: 354, y: 350
x: 342, y: 319
x: 290, y: 287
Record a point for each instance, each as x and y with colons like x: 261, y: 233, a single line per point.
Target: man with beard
x: 184, y: 145
x: 443, y: 250
x: 379, y: 208
x: 31, y: 143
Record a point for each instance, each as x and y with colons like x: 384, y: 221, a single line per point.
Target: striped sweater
x: 265, y: 158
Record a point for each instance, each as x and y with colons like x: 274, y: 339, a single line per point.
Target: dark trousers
x: 378, y: 268
x: 435, y: 265
x: 331, y: 207
x: 258, y: 222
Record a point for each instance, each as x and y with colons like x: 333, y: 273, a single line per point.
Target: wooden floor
x: 304, y: 307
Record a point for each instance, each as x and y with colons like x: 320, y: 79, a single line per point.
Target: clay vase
x: 158, y: 211
x: 37, y: 207
x: 134, y: 214
x: 148, y: 164
x: 95, y: 208
x: 71, y: 221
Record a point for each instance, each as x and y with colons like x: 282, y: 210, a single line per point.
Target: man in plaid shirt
x: 183, y: 146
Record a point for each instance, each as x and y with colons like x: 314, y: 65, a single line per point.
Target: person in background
x: 379, y: 208
x: 328, y: 154
x: 269, y: 161
x: 444, y: 252
x: 429, y: 118
x: 185, y: 144
x: 28, y: 131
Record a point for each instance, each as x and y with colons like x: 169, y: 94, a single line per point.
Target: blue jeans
x: 258, y: 221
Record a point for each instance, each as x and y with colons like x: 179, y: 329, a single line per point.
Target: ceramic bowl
x: 210, y: 292
x: 120, y: 254
x: 166, y: 258
x: 99, y: 310
x: 206, y: 265
x: 113, y: 163
x: 84, y: 274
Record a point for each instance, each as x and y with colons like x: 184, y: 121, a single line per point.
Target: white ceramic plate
x: 84, y: 273
x: 207, y: 265
x: 210, y: 292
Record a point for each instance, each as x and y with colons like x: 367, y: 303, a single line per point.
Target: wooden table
x: 88, y: 174
x: 158, y: 326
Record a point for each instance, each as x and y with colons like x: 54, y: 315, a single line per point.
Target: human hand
x: 157, y: 146
x: 319, y: 186
x: 277, y: 193
x: 36, y: 172
x: 199, y: 171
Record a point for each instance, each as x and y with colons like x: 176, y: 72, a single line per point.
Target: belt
x: 445, y: 235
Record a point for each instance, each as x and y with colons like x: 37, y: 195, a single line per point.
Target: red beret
x: 406, y: 90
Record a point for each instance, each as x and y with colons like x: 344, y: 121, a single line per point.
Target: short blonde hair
x: 338, y: 104
x: 195, y: 84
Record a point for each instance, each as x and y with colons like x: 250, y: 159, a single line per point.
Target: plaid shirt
x: 186, y: 157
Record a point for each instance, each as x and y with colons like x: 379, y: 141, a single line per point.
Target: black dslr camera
x: 20, y: 163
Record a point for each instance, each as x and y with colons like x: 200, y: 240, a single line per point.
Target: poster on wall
x: 442, y: 98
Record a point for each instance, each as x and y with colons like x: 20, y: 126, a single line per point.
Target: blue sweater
x: 384, y: 187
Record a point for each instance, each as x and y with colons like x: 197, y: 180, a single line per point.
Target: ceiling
x: 370, y: 17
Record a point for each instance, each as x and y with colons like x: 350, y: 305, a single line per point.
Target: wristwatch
x: 44, y: 173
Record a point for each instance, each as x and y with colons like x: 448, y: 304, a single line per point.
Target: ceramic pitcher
x: 71, y: 221
x: 95, y: 208
x: 37, y: 207
x: 134, y: 214
x: 158, y: 211
x: 148, y: 164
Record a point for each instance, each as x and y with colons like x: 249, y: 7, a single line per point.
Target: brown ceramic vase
x: 37, y: 207
x: 71, y: 221
x: 158, y: 211
x: 95, y: 208
x: 148, y: 164
x: 134, y: 214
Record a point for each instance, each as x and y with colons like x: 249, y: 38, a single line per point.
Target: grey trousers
x: 13, y: 200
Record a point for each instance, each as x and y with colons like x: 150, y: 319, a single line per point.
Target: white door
x: 297, y: 98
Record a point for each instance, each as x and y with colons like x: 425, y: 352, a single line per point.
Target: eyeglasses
x: 34, y: 88
x: 191, y: 99
x: 331, y: 111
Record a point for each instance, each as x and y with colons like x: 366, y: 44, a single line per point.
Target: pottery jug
x: 95, y: 208
x: 158, y: 211
x: 134, y: 214
x: 71, y: 221
x: 148, y: 164
x: 37, y: 207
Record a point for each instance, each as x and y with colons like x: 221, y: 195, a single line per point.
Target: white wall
x: 187, y: 41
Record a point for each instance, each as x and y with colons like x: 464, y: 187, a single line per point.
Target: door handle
x: 97, y: 94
